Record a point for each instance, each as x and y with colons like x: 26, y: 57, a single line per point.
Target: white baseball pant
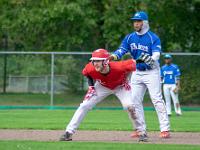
x: 150, y: 79
x: 102, y: 92
x: 168, y: 90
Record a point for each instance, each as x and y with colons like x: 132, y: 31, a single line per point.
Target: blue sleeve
x: 177, y: 73
x: 123, y: 48
x: 156, y: 46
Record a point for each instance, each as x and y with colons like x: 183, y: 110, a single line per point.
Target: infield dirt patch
x: 98, y: 136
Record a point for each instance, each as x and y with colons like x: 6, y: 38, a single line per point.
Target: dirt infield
x: 98, y: 136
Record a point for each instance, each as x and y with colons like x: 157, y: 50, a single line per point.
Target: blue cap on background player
x: 140, y: 15
x: 168, y: 56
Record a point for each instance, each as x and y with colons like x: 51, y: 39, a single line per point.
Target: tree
x: 77, y: 25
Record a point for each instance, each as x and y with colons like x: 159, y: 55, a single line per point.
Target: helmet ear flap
x: 105, y: 62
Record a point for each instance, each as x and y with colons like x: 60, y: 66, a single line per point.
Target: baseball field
x: 55, y: 54
x: 101, y: 129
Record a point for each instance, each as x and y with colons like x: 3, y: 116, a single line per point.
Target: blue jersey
x: 136, y: 44
x: 170, y: 73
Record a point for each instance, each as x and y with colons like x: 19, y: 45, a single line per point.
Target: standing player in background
x: 170, y: 75
x: 145, y: 47
x: 111, y: 78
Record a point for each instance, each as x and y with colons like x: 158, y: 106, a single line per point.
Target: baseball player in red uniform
x: 104, y: 78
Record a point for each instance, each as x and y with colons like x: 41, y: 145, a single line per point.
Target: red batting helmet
x: 100, y: 54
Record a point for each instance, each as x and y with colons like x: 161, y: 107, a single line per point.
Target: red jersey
x: 116, y: 76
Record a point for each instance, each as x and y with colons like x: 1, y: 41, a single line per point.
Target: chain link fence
x: 54, y: 78
x: 36, y: 84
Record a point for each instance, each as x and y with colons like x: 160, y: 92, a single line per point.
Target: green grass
x: 32, y: 145
x: 38, y: 99
x: 95, y: 120
x: 63, y: 99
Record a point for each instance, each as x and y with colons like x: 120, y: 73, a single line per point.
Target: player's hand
x: 112, y: 57
x: 144, y: 57
x: 91, y: 92
x: 176, y: 90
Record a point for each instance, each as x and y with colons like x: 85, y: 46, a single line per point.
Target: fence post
x: 52, y: 79
x: 46, y: 84
x: 27, y: 84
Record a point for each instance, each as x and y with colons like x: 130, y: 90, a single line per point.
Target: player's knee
x: 157, y: 101
x: 127, y: 105
x: 131, y: 110
x: 160, y: 106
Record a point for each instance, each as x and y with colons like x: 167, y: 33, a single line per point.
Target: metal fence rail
x: 52, y: 56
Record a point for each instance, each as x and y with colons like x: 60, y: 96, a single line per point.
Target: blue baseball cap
x: 140, y: 15
x: 168, y: 56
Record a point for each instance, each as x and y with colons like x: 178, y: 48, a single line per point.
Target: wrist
x: 155, y: 56
x: 91, y: 87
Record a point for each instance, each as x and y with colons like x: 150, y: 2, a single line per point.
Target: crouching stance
x: 104, y: 79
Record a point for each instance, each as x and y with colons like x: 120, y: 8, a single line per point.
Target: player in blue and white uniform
x: 145, y: 47
x: 170, y: 75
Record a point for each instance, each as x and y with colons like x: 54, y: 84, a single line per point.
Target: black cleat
x: 143, y: 138
x: 66, y: 137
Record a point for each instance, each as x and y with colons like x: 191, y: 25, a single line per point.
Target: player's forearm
x: 90, y: 81
x: 119, y: 53
x: 178, y: 84
x: 155, y: 56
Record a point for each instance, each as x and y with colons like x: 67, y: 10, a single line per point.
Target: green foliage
x: 71, y: 68
x: 48, y: 25
x: 190, y: 91
x: 34, y: 65
x: 27, y: 65
x: 85, y: 25
x: 177, y: 24
x: 60, y: 25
